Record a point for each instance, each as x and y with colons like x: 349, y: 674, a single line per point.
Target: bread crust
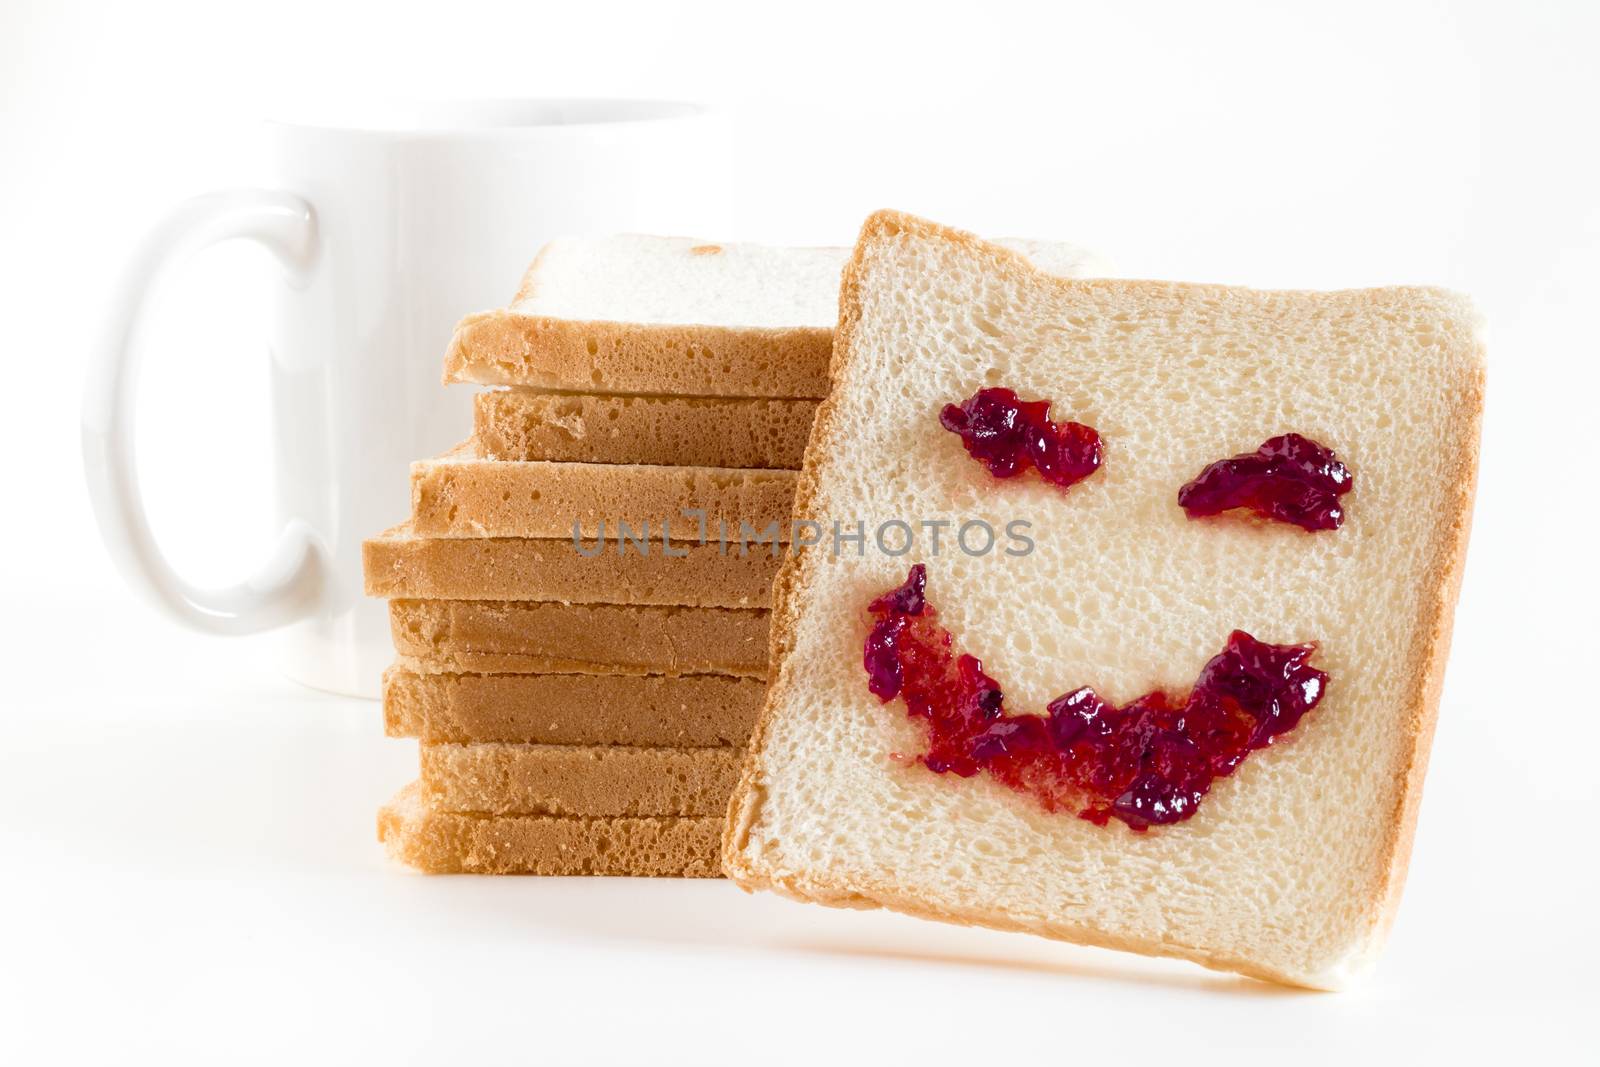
x: 505, y: 347
x: 508, y: 347
x: 527, y: 636
x: 692, y: 711
x: 520, y: 424
x: 437, y: 842
x: 461, y: 495
x: 1427, y: 677
x: 399, y: 564
x: 499, y: 778
x: 1421, y: 697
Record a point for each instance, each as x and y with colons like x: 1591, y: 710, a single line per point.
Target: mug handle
x: 290, y: 583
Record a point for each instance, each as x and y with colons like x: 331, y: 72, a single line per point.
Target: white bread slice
x: 1291, y: 869
x: 521, y: 424
x: 399, y: 563
x: 689, y: 711
x: 522, y: 636
x: 460, y: 495
x: 502, y: 778
x: 673, y: 315
x: 442, y: 842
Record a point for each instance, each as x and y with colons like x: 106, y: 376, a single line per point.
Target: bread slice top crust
x: 682, y: 281
x: 1292, y: 867
x: 633, y: 314
x: 638, y: 314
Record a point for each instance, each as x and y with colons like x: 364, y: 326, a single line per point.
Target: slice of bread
x: 460, y: 495
x: 692, y: 711
x: 635, y: 314
x: 520, y: 636
x: 497, y: 778
x: 519, y: 424
x: 399, y: 563
x: 453, y: 843
x: 1291, y: 868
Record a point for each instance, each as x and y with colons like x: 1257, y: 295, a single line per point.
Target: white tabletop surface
x: 188, y: 865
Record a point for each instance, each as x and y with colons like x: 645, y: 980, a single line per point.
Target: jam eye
x: 1008, y: 435
x: 1290, y: 478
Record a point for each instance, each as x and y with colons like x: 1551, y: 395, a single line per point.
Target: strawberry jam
x: 1289, y: 478
x: 1146, y: 763
x: 1008, y: 435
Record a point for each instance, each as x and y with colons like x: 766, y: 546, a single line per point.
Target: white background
x: 189, y: 871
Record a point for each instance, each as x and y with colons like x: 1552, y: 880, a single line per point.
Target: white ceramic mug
x: 388, y: 229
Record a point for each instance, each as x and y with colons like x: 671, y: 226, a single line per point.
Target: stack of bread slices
x: 580, y: 599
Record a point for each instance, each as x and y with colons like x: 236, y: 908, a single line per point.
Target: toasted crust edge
x: 1422, y: 702
x: 434, y: 842
x: 461, y: 479
x: 505, y: 347
x: 1432, y: 653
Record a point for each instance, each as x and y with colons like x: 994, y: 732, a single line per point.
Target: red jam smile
x: 1008, y: 435
x: 1289, y: 478
x: 1147, y: 763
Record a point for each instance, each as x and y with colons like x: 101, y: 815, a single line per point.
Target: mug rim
x: 499, y: 117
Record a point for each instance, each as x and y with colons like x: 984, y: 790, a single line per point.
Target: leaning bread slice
x: 399, y: 563
x: 693, y: 711
x: 1291, y: 867
x: 441, y: 842
x: 672, y: 315
x: 523, y: 636
x: 673, y: 430
x: 460, y: 495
